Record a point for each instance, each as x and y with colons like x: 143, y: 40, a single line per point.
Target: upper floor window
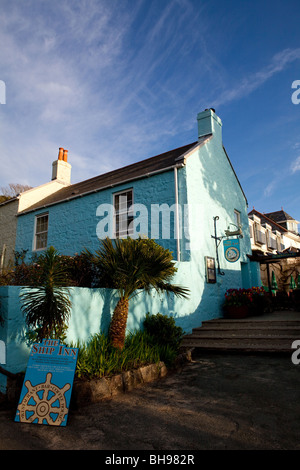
x: 123, y: 214
x: 237, y: 218
x: 41, y: 232
x: 292, y: 226
x: 259, y: 235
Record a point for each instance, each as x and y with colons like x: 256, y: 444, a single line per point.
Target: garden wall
x: 91, y: 313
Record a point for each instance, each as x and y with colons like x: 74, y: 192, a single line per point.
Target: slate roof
x: 266, y: 219
x: 134, y: 171
x: 279, y: 216
x: 162, y: 162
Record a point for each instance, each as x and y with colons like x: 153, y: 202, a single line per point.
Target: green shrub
x: 99, y: 358
x: 80, y: 270
x: 163, y: 330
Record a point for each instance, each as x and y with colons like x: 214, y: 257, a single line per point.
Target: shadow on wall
x: 92, y: 310
x: 209, y: 303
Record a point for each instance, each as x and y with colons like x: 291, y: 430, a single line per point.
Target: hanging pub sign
x: 232, y: 249
x: 47, y: 386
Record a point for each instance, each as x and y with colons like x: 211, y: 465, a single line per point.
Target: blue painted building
x: 182, y: 198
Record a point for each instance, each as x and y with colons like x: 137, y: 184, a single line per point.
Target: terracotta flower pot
x: 236, y: 311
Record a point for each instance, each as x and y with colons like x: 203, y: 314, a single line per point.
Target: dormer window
x: 291, y: 226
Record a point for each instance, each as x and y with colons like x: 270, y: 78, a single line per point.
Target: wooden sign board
x: 48, y: 382
x: 232, y: 250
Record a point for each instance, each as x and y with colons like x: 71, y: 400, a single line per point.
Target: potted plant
x: 237, y: 303
x: 259, y: 301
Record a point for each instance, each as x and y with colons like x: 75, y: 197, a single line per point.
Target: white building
x: 273, y: 232
x: 61, y: 177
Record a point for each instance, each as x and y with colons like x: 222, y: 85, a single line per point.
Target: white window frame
x: 123, y: 212
x: 44, y: 214
x: 237, y: 218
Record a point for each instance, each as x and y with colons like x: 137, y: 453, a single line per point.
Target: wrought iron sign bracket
x: 217, y: 243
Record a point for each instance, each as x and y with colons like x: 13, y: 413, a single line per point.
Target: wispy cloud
x: 249, y: 84
x: 107, y: 80
x: 113, y: 82
x: 270, y: 188
x: 280, y: 179
x: 295, y: 166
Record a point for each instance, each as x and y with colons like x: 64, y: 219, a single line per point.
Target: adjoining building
x: 275, y: 243
x: 9, y: 209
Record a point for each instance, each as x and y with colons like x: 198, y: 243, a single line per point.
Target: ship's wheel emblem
x: 43, y: 403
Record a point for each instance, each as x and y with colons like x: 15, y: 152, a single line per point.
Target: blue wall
x: 213, y: 190
x: 73, y: 224
x: 90, y: 313
x: 208, y: 185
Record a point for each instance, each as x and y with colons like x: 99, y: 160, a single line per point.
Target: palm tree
x: 47, y: 306
x: 130, y: 265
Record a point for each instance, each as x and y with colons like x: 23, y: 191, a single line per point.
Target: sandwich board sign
x: 47, y: 387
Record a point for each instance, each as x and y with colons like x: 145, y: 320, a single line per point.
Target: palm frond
x: 48, y: 306
x: 133, y: 264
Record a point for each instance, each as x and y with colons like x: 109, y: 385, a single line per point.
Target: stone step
x: 241, y: 344
x: 274, y: 332
x: 246, y: 333
x: 243, y: 323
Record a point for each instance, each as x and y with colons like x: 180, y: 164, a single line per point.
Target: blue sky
x: 117, y: 81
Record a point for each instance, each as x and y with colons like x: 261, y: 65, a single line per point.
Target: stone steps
x: 249, y: 334
x: 246, y: 332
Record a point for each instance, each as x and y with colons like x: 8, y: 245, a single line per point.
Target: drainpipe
x: 177, y: 213
x: 2, y: 257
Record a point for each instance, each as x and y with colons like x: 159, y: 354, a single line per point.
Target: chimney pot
x: 61, y: 169
x: 60, y: 153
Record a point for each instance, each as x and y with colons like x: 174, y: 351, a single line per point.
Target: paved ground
x: 219, y: 401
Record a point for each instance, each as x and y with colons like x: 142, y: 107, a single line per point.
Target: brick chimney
x: 209, y: 123
x: 61, y: 169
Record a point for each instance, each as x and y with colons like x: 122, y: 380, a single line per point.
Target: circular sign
x: 232, y: 254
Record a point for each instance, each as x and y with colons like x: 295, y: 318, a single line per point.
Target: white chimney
x: 61, y: 169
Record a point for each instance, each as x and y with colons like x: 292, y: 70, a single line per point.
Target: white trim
x: 43, y: 214
x: 237, y: 215
x: 119, y: 193
x: 177, y: 214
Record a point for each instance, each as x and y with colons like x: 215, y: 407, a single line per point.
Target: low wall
x: 92, y: 309
x: 91, y: 312
x: 93, y: 391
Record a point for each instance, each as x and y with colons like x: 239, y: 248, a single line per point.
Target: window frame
x: 36, y: 234
x: 127, y: 212
x: 260, y: 237
x: 237, y: 218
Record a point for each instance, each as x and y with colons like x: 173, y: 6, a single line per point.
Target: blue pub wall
x: 91, y: 313
x: 73, y: 224
x: 208, y: 185
x: 214, y: 190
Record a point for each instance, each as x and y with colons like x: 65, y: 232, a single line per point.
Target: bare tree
x: 3, y: 198
x: 13, y: 189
